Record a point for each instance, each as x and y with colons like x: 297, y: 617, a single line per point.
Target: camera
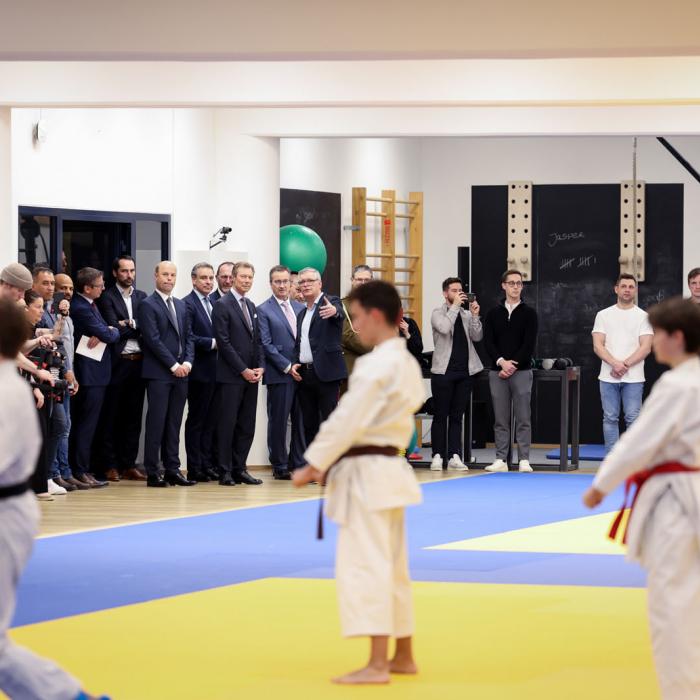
x: 471, y: 298
x: 54, y: 360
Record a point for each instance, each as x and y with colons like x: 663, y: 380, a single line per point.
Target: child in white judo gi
x: 23, y: 675
x: 370, y: 484
x: 660, y: 456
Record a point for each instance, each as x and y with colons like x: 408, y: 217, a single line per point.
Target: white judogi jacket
x: 667, y: 430
x: 384, y: 391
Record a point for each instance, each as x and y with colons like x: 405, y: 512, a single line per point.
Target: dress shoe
x: 90, y: 481
x: 226, y: 480
x: 112, y: 475
x: 197, y: 476
x: 282, y: 475
x: 78, y: 484
x: 65, y: 484
x: 156, y: 481
x: 176, y: 479
x: 134, y: 474
x: 245, y: 478
x: 212, y: 473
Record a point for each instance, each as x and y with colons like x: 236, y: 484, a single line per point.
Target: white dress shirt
x: 20, y: 437
x: 132, y: 346
x: 305, y: 354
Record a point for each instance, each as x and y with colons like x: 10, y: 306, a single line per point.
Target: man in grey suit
x: 278, y: 330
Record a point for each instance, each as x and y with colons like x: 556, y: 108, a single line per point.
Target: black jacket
x: 511, y: 339
x: 325, y: 337
x: 239, y: 348
x: 113, y: 309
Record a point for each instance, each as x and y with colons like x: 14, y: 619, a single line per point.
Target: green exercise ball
x: 302, y: 247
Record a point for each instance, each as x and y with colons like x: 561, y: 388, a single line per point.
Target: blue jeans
x: 59, y: 465
x: 612, y: 395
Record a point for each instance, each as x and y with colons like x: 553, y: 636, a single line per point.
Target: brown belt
x: 357, y: 451
x: 131, y: 356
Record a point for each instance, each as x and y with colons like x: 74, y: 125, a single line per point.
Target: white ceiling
x: 350, y: 29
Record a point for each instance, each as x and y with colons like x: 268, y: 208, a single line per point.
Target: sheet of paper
x: 95, y: 353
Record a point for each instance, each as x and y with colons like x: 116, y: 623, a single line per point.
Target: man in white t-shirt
x: 622, y: 339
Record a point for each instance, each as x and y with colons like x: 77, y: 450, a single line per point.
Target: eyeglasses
x: 514, y: 284
x: 308, y: 281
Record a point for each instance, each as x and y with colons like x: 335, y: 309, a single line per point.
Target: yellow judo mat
x: 280, y: 638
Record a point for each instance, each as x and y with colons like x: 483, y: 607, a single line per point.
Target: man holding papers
x: 93, y: 366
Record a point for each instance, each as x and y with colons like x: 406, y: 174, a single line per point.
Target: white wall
x: 446, y: 168
x: 338, y: 165
x: 451, y: 166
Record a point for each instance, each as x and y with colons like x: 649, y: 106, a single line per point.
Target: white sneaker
x: 55, y: 489
x: 498, y: 466
x: 457, y: 465
x: 436, y: 464
x: 524, y: 466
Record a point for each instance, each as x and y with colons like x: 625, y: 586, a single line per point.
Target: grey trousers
x: 517, y: 389
x: 23, y: 674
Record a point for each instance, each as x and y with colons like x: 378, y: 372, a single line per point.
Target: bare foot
x: 407, y: 666
x: 365, y: 676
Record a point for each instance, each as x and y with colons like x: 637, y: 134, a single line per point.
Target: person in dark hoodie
x: 510, y: 335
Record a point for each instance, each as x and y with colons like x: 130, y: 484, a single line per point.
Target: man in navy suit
x: 201, y: 413
x: 168, y: 354
x: 224, y: 280
x: 94, y: 374
x: 278, y: 331
x: 319, y: 365
x: 123, y: 408
x: 239, y: 370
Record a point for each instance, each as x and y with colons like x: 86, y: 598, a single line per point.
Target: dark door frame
x: 58, y: 216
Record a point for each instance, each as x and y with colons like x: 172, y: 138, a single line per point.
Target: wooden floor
x: 132, y: 502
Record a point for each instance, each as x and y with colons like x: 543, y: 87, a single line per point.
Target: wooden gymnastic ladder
x: 387, y: 261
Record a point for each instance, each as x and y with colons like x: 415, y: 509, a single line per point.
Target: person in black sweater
x: 509, y: 337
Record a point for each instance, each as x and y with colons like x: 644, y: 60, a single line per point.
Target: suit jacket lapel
x: 167, y: 312
x: 281, y: 316
x: 237, y: 305
x: 321, y: 299
x: 122, y: 304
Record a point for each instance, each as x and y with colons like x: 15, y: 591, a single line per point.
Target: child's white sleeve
x: 357, y: 410
x: 641, y: 446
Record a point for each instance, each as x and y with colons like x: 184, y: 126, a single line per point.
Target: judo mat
x: 586, y: 453
x: 518, y: 595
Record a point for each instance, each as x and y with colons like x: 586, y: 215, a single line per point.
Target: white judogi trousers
x: 670, y: 551
x: 366, y: 497
x: 373, y: 583
x: 23, y: 674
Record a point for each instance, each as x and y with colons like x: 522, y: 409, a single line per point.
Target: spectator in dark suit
x: 123, y: 408
x: 168, y: 354
x: 319, y: 365
x: 239, y: 370
x: 408, y: 329
x: 278, y: 331
x: 224, y: 280
x: 94, y: 374
x: 201, y: 410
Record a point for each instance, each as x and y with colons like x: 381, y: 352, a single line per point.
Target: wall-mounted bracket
x: 520, y: 227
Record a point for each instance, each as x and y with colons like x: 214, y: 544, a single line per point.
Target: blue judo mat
x: 587, y: 453
x: 85, y: 572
